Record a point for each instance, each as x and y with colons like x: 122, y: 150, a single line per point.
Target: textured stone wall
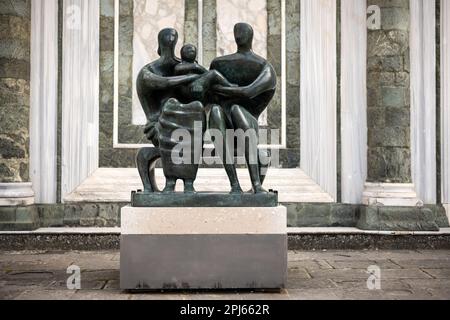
x: 110, y: 157
x: 191, y: 22
x: 388, y: 114
x: 14, y: 90
x: 209, y: 32
x: 290, y: 157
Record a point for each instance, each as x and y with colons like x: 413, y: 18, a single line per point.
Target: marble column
x: 15, y: 186
x: 318, y: 93
x: 80, y: 92
x: 44, y: 100
x: 353, y: 100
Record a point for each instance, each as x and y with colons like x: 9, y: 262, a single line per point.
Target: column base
x: 16, y: 194
x: 203, y: 248
x: 391, y: 194
x: 383, y: 218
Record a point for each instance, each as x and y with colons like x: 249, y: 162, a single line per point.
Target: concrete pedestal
x: 203, y: 248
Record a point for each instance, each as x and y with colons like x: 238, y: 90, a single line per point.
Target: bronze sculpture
x: 236, y: 90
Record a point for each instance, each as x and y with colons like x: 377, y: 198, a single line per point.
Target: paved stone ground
x: 312, y: 275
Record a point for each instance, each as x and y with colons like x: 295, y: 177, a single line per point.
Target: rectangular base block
x: 204, y: 248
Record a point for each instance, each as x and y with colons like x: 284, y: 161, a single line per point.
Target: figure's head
x: 167, y: 39
x: 188, y: 53
x: 243, y: 34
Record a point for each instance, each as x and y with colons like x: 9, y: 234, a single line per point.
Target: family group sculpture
x: 175, y: 94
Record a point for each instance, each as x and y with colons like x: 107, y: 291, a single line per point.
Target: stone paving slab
x: 409, y: 274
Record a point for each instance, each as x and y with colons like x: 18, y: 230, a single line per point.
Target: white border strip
x: 353, y: 100
x: 423, y: 98
x: 80, y: 92
x: 117, y: 145
x: 318, y: 93
x: 44, y: 99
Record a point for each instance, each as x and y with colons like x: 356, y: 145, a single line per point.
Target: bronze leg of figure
x: 263, y: 155
x: 146, y: 161
x: 189, y: 186
x: 217, y: 121
x: 242, y: 119
x: 170, y: 185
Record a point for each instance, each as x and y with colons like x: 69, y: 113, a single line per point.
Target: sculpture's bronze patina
x: 174, y: 94
x: 240, y: 107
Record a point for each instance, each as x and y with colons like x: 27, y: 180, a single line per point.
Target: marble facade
x: 151, y: 16
x: 372, y: 85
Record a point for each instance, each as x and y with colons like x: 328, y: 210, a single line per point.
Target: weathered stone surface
x: 394, y: 96
x: 388, y: 95
x: 20, y: 8
x: 274, y: 52
x: 51, y: 215
x: 274, y: 17
x: 397, y: 117
x: 389, y: 137
x: 14, y: 92
x: 9, y: 149
x: 17, y: 69
x: 107, y: 33
x: 396, y: 219
x: 19, y: 218
x: 375, y: 117
x: 107, y: 8
x: 5, y: 172
x: 117, y: 158
x: 293, y: 132
x: 109, y: 215
x: 389, y: 164
x: 14, y: 27
x: 15, y: 49
x: 25, y: 278
x: 290, y: 158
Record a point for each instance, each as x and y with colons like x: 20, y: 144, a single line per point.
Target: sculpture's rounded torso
x: 243, y: 69
x: 153, y: 98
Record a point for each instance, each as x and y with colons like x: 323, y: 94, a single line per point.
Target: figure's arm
x: 157, y: 82
x: 182, y: 69
x: 265, y: 81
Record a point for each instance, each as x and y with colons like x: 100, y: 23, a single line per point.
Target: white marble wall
x: 318, y: 94
x: 150, y: 16
x: 423, y: 98
x: 353, y: 100
x: 445, y: 102
x: 44, y: 99
x: 230, y: 12
x: 80, y: 92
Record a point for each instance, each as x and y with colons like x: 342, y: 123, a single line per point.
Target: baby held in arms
x: 197, y: 89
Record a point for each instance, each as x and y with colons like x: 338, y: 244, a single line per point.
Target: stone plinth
x: 204, y: 199
x: 203, y: 248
